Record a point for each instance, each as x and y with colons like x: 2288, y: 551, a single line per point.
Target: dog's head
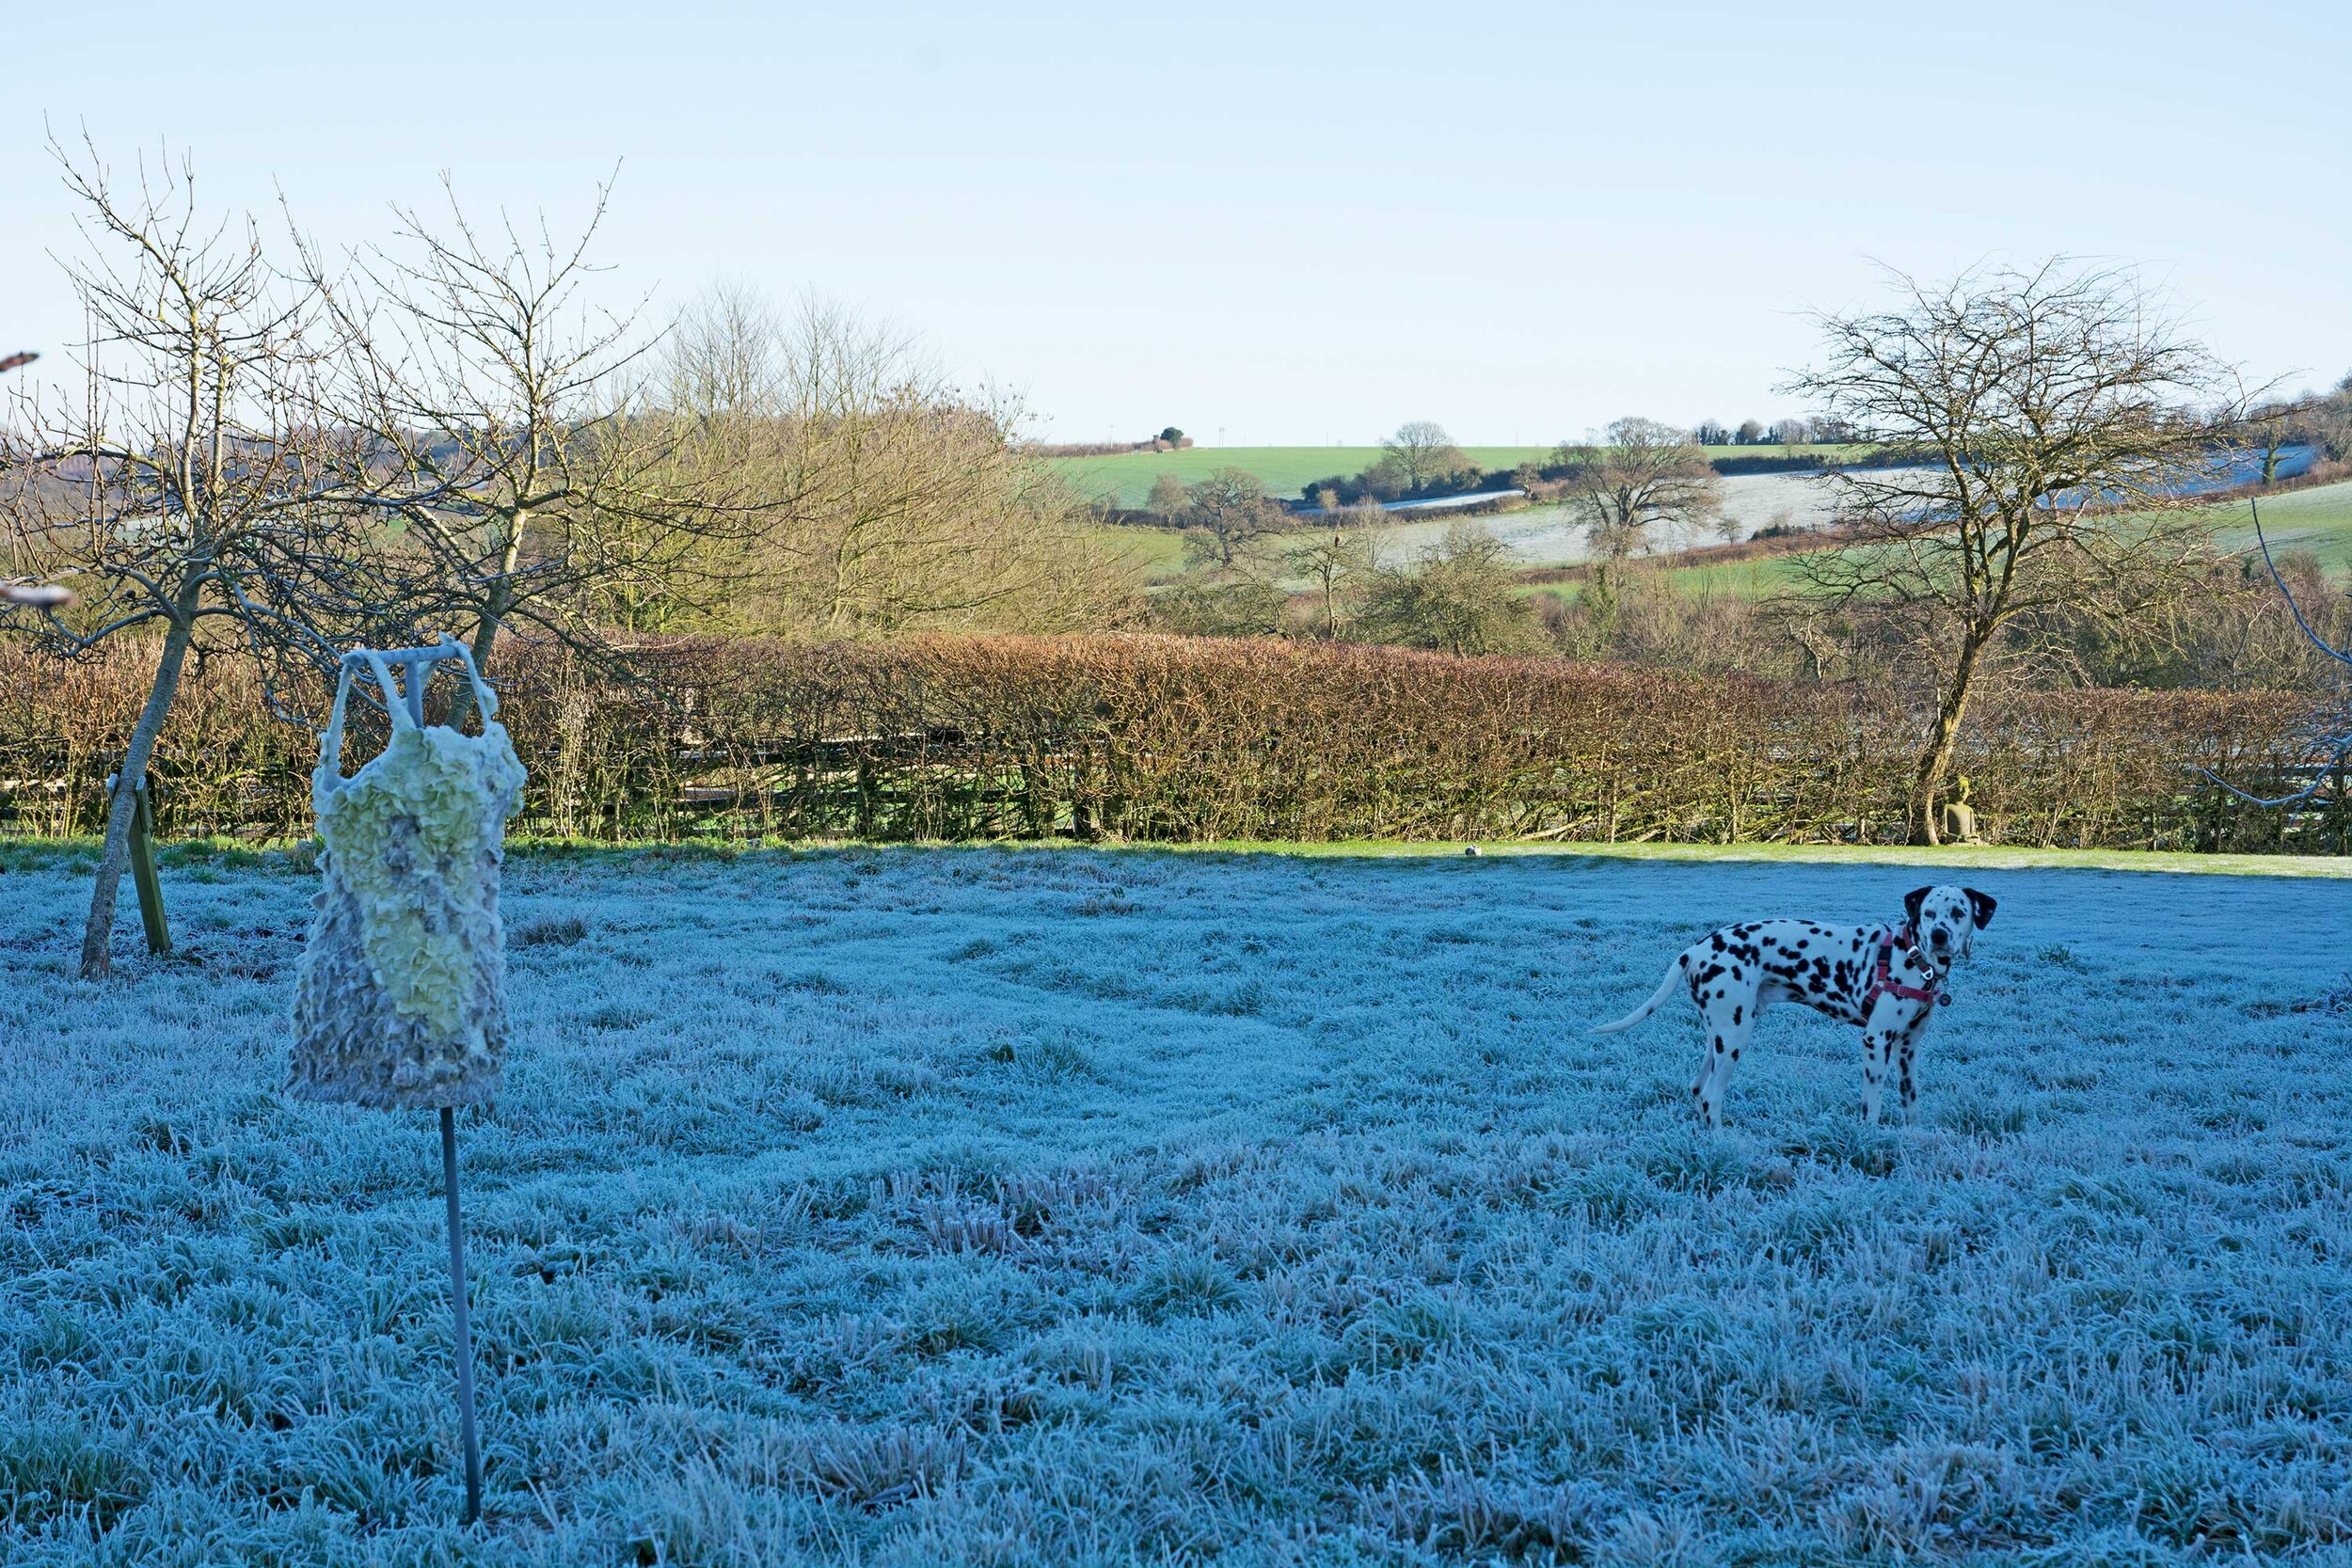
x: 1945, y: 920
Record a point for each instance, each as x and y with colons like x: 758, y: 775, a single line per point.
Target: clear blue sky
x: 1293, y: 223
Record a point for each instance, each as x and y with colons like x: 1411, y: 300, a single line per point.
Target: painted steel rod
x: 465, y: 1329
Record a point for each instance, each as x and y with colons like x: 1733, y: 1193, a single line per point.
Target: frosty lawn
x: 973, y: 1206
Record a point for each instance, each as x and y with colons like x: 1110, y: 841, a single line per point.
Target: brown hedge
x: 1180, y: 740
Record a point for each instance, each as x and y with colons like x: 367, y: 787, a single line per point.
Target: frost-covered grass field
x: 1064, y: 1207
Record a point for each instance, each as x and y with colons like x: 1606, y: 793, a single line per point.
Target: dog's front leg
x: 1909, y: 1081
x: 1878, y: 1050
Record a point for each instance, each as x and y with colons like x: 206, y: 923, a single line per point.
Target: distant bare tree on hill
x: 1166, y: 497
x: 1643, y: 474
x: 1421, y: 453
x: 1231, y: 508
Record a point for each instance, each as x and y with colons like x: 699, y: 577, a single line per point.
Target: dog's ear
x: 1912, y: 901
x: 1982, y: 905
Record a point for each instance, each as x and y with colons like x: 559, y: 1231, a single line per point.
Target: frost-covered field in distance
x: 1067, y: 1207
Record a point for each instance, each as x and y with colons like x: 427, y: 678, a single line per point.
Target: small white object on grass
x: 1469, y: 850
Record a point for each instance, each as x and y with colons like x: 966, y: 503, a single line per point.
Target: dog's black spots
x: 1735, y: 1018
x: 1716, y: 942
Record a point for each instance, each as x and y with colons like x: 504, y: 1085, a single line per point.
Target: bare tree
x: 511, y: 431
x: 1167, y: 498
x: 1231, y: 508
x: 1461, y: 597
x: 1340, y: 568
x: 2271, y: 427
x: 1420, y: 453
x: 2063, y: 419
x: 1643, y: 474
x: 878, y: 498
x: 195, y: 487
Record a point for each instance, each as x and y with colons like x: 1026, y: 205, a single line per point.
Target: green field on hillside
x: 1746, y: 579
x: 1157, y: 553
x: 1283, y: 470
x: 2318, y: 521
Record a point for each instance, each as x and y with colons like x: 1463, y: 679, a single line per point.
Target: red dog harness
x: 1884, y: 984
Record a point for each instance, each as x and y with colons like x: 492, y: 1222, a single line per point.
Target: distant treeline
x: 1383, y: 482
x: 1174, y: 740
x: 1170, y: 439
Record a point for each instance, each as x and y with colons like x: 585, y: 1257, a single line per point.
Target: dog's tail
x: 1665, y: 989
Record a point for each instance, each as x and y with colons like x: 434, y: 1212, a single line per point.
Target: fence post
x: 869, y: 796
x: 1082, y: 792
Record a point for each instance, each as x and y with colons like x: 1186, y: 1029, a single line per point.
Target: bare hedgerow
x: 1170, y: 739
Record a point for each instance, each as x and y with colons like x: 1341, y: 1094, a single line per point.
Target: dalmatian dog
x: 1887, y: 979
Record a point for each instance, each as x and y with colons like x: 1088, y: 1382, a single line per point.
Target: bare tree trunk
x: 98, y: 936
x: 1936, y: 764
x: 486, y: 631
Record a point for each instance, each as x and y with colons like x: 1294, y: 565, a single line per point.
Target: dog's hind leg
x: 1726, y: 1040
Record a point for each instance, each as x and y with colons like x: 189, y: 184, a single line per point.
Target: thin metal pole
x: 465, y: 1331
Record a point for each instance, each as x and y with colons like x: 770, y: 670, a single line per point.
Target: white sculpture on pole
x: 400, y: 1000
